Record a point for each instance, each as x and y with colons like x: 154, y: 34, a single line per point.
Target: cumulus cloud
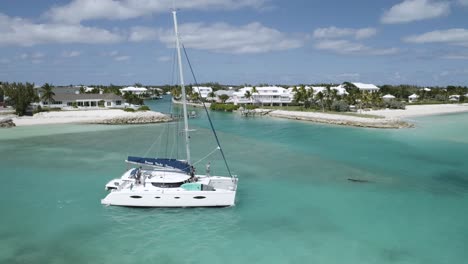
x: 19, y: 31
x: 138, y: 34
x: 122, y: 58
x: 334, y: 32
x: 71, y: 54
x: 164, y: 58
x: 225, y: 38
x: 80, y: 10
x: 456, y: 36
x: 415, y: 10
x: 349, y: 47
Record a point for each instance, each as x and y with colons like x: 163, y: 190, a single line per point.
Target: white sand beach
x: 420, y: 110
x: 114, y: 116
x: 338, y: 119
x: 390, y: 118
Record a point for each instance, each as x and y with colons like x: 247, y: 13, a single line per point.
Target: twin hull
x: 172, y: 199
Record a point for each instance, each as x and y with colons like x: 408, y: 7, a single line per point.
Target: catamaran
x: 167, y: 182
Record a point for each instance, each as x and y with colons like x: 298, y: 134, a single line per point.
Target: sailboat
x: 167, y: 182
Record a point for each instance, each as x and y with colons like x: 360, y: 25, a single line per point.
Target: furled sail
x: 161, y: 162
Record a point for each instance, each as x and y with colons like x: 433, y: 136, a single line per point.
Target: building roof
x: 388, y: 96
x: 74, y: 97
x: 365, y: 86
x: 133, y: 89
x: 413, y: 96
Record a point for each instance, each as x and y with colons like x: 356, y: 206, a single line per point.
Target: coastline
x: 108, y: 116
x: 390, y: 118
x: 344, y: 120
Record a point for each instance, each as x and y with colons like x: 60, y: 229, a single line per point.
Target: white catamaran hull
x: 170, y: 198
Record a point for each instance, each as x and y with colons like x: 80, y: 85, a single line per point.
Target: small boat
x: 167, y: 182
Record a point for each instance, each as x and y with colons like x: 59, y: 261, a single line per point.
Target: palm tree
x: 47, y: 93
x: 248, y: 95
x: 223, y: 98
x: 211, y: 95
x: 320, y: 97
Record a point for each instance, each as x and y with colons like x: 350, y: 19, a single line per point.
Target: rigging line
x: 207, y: 114
x: 154, y: 142
x: 209, y: 154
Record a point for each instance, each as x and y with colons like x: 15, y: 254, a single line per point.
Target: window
x: 118, y: 102
x: 166, y: 185
x: 108, y: 103
x: 69, y: 104
x: 199, y: 197
x: 177, y: 197
x: 93, y: 103
x: 135, y: 197
x: 157, y: 197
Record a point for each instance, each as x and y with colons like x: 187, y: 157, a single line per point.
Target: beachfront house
x: 413, y: 98
x: 223, y: 92
x: 68, y: 101
x: 454, y: 98
x: 388, y: 97
x: 366, y: 87
x: 269, y: 95
x: 202, y: 90
x: 139, y: 91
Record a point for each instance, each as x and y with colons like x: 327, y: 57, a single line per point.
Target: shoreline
x: 343, y: 120
x: 102, y: 116
x: 390, y: 118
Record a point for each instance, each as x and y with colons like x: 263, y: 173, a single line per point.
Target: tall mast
x: 184, y: 99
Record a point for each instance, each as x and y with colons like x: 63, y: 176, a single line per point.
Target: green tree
x: 20, y: 96
x: 223, y: 98
x: 248, y: 95
x: 320, y: 97
x: 47, y: 94
x: 82, y: 90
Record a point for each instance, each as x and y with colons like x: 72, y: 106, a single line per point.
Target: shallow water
x: 294, y: 203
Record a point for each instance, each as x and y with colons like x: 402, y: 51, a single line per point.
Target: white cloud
x: 138, y: 34
x: 80, y: 10
x: 164, y: 58
x: 32, y: 56
x: 225, y: 38
x: 457, y: 36
x: 463, y: 2
x: 19, y: 31
x: 4, y: 61
x: 121, y: 58
x: 71, y: 54
x: 348, y: 47
x: 414, y: 10
x: 454, y: 56
x: 334, y: 32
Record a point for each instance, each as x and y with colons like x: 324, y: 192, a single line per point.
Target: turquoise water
x: 294, y: 204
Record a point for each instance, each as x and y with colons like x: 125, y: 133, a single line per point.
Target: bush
x: 250, y: 107
x: 223, y: 107
x: 340, y: 106
x: 395, y: 105
x: 144, y: 108
x: 129, y: 110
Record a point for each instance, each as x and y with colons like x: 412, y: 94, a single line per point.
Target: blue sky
x: 422, y: 42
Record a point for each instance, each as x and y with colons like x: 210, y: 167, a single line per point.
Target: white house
x: 264, y: 95
x: 426, y: 89
x: 202, y: 90
x: 366, y: 87
x: 454, y: 98
x: 134, y: 90
x: 85, y: 101
x: 413, y: 98
x: 388, y: 97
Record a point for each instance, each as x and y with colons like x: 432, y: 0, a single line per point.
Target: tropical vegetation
x: 20, y: 96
